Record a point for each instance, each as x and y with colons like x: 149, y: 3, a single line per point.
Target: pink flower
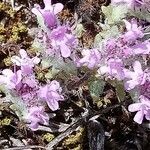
x: 142, y: 108
x: 10, y: 79
x: 133, y: 31
x: 25, y: 62
x: 62, y: 40
x: 145, y: 89
x: 29, y: 88
x: 113, y: 69
x: 37, y: 116
x: 51, y: 93
x: 142, y: 48
x: 48, y: 14
x: 91, y: 58
x: 138, y: 77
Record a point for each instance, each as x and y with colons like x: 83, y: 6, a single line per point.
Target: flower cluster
x: 24, y: 84
x: 122, y: 53
x: 51, y: 93
x: 58, y: 38
x: 123, y: 58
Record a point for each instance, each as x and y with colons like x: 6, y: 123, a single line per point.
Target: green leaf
x: 114, y: 14
x: 51, y: 73
x: 110, y: 33
x: 120, y: 91
x: 45, y: 63
x: 60, y: 65
x: 79, y: 30
x: 38, y: 45
x: 141, y: 12
x: 107, y: 33
x: 18, y: 106
x: 96, y: 88
x: 98, y: 39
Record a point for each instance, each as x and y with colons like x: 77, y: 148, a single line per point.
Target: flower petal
x: 147, y: 115
x: 34, y: 126
x: 134, y: 107
x: 48, y: 5
x: 50, y: 19
x: 65, y: 51
x: 137, y: 67
x: 139, y: 117
x: 7, y: 72
x: 43, y: 92
x: 23, y: 53
x: 36, y: 60
x: 57, y: 8
x: 53, y: 104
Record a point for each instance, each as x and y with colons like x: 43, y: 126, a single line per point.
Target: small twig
x: 24, y: 147
x: 72, y: 128
x: 54, y: 127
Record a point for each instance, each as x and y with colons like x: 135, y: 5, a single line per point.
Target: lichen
x: 2, y: 33
x: 12, y: 28
x: 5, y: 122
x: 5, y: 7
x: 48, y: 137
x: 16, y: 31
x: 8, y: 61
x: 74, y: 141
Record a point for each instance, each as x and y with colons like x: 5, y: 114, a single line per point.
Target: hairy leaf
x: 96, y: 88
x: 18, y: 106
x: 114, y: 14
x: 60, y: 65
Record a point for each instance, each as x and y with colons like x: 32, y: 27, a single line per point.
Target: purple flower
x: 48, y: 14
x: 28, y: 88
x: 117, y: 48
x: 37, y: 115
x: 138, y: 77
x: 25, y: 62
x: 51, y: 93
x: 59, y: 33
x: 142, y: 108
x: 91, y: 58
x: 10, y: 79
x: 114, y: 69
x: 145, y: 89
x: 62, y: 40
x: 141, y: 48
x: 133, y: 31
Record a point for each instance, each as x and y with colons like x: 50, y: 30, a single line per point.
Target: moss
x: 12, y: 29
x: 2, y: 38
x: 40, y: 76
x: 74, y: 140
x: 48, y: 137
x: 16, y: 31
x: 5, y: 7
x: 78, y: 147
x: 5, y: 122
x: 2, y: 33
x: 8, y: 61
x: 2, y: 29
